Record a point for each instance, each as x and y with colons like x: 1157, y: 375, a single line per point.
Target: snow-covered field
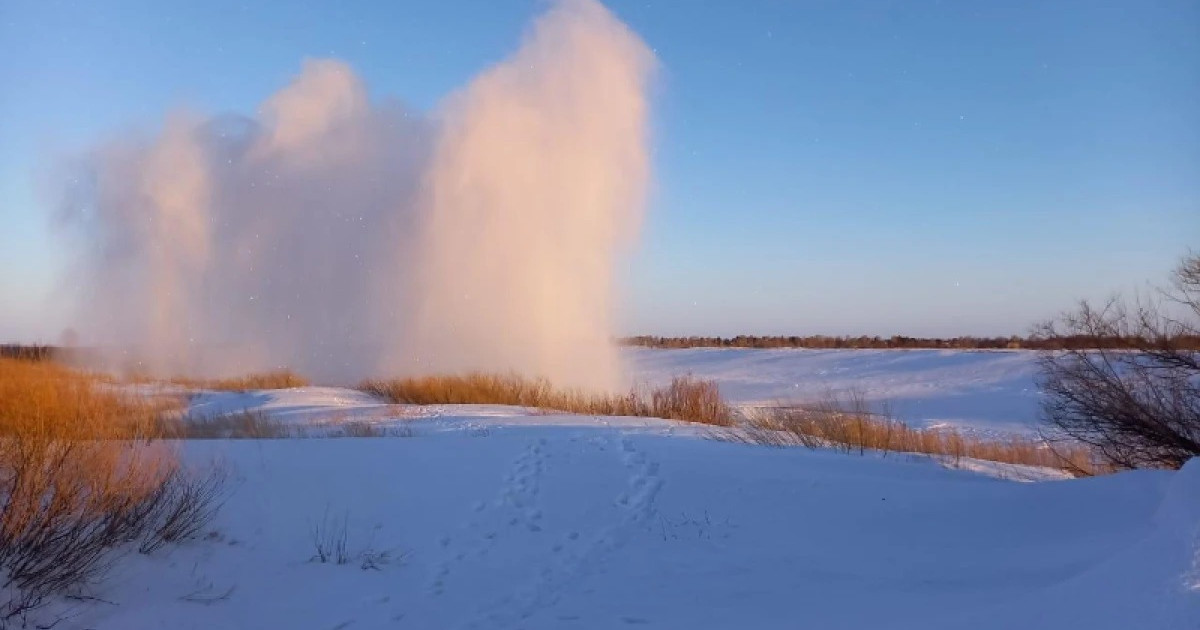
x: 493, y: 517
x: 984, y: 390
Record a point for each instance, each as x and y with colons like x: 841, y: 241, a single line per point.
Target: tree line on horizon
x: 826, y: 342
x: 44, y: 352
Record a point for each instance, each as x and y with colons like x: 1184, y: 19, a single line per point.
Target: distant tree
x: 1135, y: 397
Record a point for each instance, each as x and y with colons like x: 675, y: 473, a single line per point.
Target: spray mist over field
x: 343, y: 237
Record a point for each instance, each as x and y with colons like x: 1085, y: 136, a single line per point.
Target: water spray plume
x: 346, y: 238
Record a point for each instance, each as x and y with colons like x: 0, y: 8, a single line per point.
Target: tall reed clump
x: 851, y: 425
x: 82, y: 475
x: 685, y: 398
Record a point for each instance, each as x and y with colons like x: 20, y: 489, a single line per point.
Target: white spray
x: 344, y: 238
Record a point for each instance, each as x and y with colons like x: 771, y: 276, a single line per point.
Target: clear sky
x: 929, y: 168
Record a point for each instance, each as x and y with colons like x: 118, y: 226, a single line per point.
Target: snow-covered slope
x: 491, y: 518
x: 983, y: 390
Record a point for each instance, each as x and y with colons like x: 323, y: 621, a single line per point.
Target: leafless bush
x: 81, y: 475
x: 1137, y: 404
x: 187, y: 503
x: 59, y: 526
x: 686, y: 398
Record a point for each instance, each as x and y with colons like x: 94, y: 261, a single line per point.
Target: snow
x: 297, y: 406
x: 498, y: 517
x: 984, y: 390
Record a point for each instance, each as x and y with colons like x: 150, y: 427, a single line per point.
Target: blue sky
x: 929, y: 168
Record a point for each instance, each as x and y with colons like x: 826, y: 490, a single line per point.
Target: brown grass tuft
x: 276, y: 379
x: 851, y: 425
x: 241, y: 425
x: 686, y: 398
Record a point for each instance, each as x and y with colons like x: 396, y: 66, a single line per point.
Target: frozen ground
x: 495, y: 517
x: 494, y: 521
x: 980, y: 390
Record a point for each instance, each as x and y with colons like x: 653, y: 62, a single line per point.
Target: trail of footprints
x: 572, y: 556
x: 515, y: 507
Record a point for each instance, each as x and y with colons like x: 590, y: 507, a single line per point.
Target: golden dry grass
x: 275, y: 379
x: 48, y: 399
x: 851, y: 426
x: 686, y: 398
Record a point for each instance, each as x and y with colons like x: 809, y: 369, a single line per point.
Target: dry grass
x: 686, y: 398
x: 81, y: 474
x: 359, y: 429
x: 276, y: 379
x: 242, y: 425
x: 851, y: 425
x: 689, y: 399
x: 48, y: 398
x: 27, y: 352
x: 260, y: 425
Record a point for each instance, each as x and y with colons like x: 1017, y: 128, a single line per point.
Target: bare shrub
x: 187, y: 503
x: 65, y: 508
x: 1136, y: 403
x: 686, y: 398
x: 81, y: 474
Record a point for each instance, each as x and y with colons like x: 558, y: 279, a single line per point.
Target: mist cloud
x: 343, y: 237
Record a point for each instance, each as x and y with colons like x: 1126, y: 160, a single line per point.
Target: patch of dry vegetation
x: 685, y: 398
x: 851, y: 425
x: 242, y: 425
x: 275, y: 379
x: 82, y: 474
x: 27, y: 352
x: 260, y: 425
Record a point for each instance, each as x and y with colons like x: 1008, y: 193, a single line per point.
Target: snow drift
x: 342, y: 236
